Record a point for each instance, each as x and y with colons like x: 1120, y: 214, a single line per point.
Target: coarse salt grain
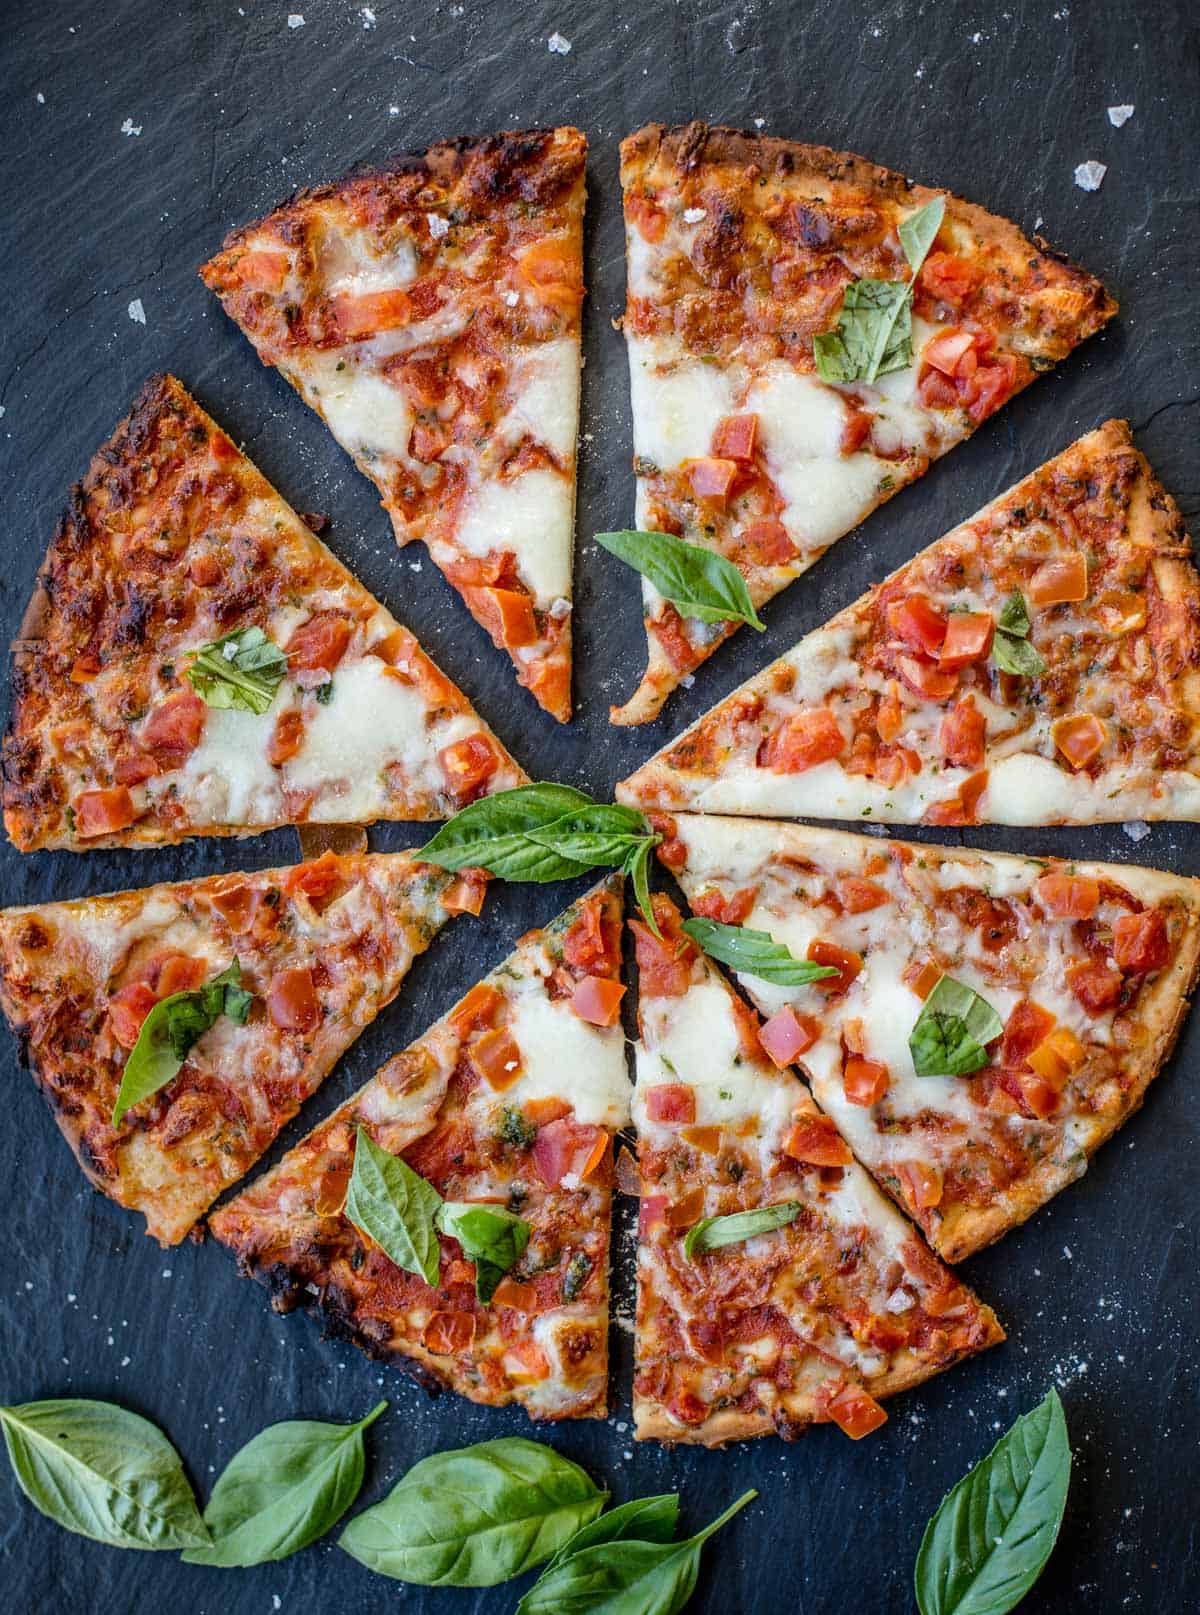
x: 512, y: 299
x: 693, y: 215
x: 136, y: 312
x: 438, y: 227
x: 1120, y: 115
x: 1089, y: 176
x: 1136, y: 829
x: 296, y: 19
x: 558, y: 45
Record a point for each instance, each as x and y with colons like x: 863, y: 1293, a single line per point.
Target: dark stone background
x: 999, y: 102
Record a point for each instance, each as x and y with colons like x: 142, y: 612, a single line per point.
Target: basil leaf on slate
x: 712, y: 1233
x: 919, y: 231
x: 493, y: 834
x: 637, y: 867
x: 952, y: 1031
x: 699, y: 582
x: 1013, y: 654
x: 601, y: 833
x: 475, y: 1516
x: 242, y: 670
x: 283, y: 1490
x: 102, y: 1472
x: 632, y: 1578
x: 394, y: 1206
x: 491, y: 1237
x: 755, y: 952
x: 170, y: 1031
x: 645, y: 1519
x: 1014, y: 615
x: 993, y: 1533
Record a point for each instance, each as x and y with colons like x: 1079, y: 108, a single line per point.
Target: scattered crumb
x: 166, y: 1272
x: 1067, y: 1252
x: 438, y: 227
x: 368, y: 17
x: 295, y: 19
x: 759, y: 123
x: 1136, y: 829
x: 1089, y: 176
x: 1120, y: 115
x: 393, y: 112
x: 40, y: 99
x: 136, y: 312
x: 3, y: 412
x: 558, y: 45
x: 131, y: 128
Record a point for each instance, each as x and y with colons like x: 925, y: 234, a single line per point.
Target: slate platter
x: 135, y: 134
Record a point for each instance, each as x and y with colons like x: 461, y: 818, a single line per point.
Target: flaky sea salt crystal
x: 438, y: 227
x: 1089, y: 176
x: 136, y: 312
x: 693, y: 215
x: 1120, y: 115
x: 558, y: 45
x: 295, y: 19
x: 1136, y: 829
x: 131, y: 128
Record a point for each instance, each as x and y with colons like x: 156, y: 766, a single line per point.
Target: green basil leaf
x: 952, y: 1031
x: 637, y: 867
x: 283, y: 1490
x: 475, y: 1516
x: 394, y: 1206
x: 1014, y: 654
x: 491, y: 1237
x: 172, y: 1029
x: 919, y: 231
x: 494, y: 834
x: 242, y: 670
x: 103, y: 1473
x: 756, y: 953
x: 633, y: 1578
x: 699, y: 582
x: 1014, y: 616
x: 993, y: 1533
x: 646, y: 1519
x: 713, y: 1233
x: 600, y: 833
x: 873, y: 334
x: 324, y: 692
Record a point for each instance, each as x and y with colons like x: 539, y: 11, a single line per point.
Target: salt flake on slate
x: 368, y: 17
x: 131, y: 128
x: 1136, y: 829
x: 40, y: 99
x: 1089, y: 176
x: 558, y: 45
x: 136, y: 312
x: 1120, y: 115
x: 296, y: 19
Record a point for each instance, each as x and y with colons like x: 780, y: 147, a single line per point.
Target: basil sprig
x: 713, y: 1233
x: 756, y: 953
x: 103, y: 1473
x: 952, y: 1031
x: 242, y: 670
x: 699, y: 582
x: 873, y: 334
x: 394, y: 1206
x: 636, y: 1578
x: 491, y: 1237
x: 1011, y: 649
x: 283, y: 1490
x: 170, y: 1031
x: 475, y: 1516
x: 993, y: 1533
x: 645, y: 1519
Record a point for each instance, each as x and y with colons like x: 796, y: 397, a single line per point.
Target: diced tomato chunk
x: 855, y: 1411
x: 262, y: 271
x: 320, y: 642
x: 552, y: 269
x: 172, y: 731
x: 1068, y: 897
x: 1056, y: 1057
x: 597, y: 1000
x: 178, y: 973
x: 133, y: 768
x: 889, y: 719
x: 846, y: 963
x: 586, y: 943
x: 918, y: 624
x: 859, y: 896
x: 496, y: 1056
x: 127, y: 1010
x: 948, y: 278
x: 711, y: 478
x: 1096, y: 985
x: 292, y: 1000
x: 103, y: 813
x: 1062, y: 579
x: 1027, y: 1026
x: 652, y: 1209
x: 921, y: 1183
x: 733, y: 910
x: 803, y: 741
x: 1080, y: 738
x: 922, y: 977
x: 817, y: 1142
x: 736, y: 438
x: 964, y: 734
x: 287, y: 737
x: 768, y: 543
x: 788, y: 1034
x: 705, y: 1139
x: 321, y: 879
x: 1040, y: 1096
x: 969, y: 636
x: 511, y: 1292
x: 237, y: 906
x: 951, y: 352
x: 365, y: 314
x: 664, y: 966
x: 479, y: 1008
x: 990, y: 386
x: 962, y: 808
x: 649, y: 221
x: 855, y: 431
x: 669, y: 629
x: 673, y: 1102
x: 926, y: 678
x: 468, y: 765
x: 566, y: 1148
x: 466, y: 892
x: 1140, y: 942
x: 507, y: 614
x: 864, y: 1082
x: 449, y: 1332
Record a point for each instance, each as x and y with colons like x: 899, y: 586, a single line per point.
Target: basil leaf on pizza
x: 600, y: 833
x: 952, y: 1031
x: 494, y: 834
x: 993, y: 1533
x: 242, y: 670
x: 1011, y: 649
x: 491, y: 1237
x: 699, y: 582
x: 475, y: 1516
x: 283, y: 1490
x: 714, y: 1233
x: 170, y: 1031
x: 918, y: 231
x: 756, y: 953
x: 1014, y: 616
x: 637, y: 867
x: 394, y: 1206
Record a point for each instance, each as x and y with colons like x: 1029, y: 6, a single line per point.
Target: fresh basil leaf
x: 645, y: 1519
x: 103, y: 1473
x: 1014, y: 616
x: 873, y: 334
x: 494, y: 834
x: 1014, y: 654
x: 242, y: 670
x: 919, y: 231
x: 713, y: 1233
x: 491, y: 1237
x: 756, y: 953
x: 637, y: 867
x: 394, y: 1206
x: 283, y: 1490
x: 600, y: 833
x: 699, y: 582
x: 632, y: 1578
x: 475, y: 1516
x: 952, y: 1031
x: 324, y: 692
x: 993, y: 1533
x: 170, y: 1032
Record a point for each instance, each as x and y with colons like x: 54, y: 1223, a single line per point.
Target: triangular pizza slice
x: 200, y: 1015
x: 986, y: 1021
x: 194, y: 661
x: 1038, y: 665
x: 429, y: 311
x: 777, y: 1287
x: 806, y: 332
x: 504, y: 1111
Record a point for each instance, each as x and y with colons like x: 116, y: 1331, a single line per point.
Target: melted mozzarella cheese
x: 564, y: 1057
x: 800, y: 417
x: 369, y: 416
x: 677, y: 405
x: 533, y: 515
x: 546, y: 402
x: 227, y: 779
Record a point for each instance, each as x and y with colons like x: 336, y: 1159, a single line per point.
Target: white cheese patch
x: 227, y: 779
x: 370, y: 418
x: 800, y: 417
x: 546, y: 405
x: 566, y: 1058
x: 676, y: 407
x: 533, y: 515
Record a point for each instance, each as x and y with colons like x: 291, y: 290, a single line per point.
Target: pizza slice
x: 806, y: 332
x: 194, y: 661
x: 500, y: 1116
x: 986, y: 1022
x: 1038, y: 665
x: 777, y: 1288
x: 174, y: 1030
x: 430, y: 313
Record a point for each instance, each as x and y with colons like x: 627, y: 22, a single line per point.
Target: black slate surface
x: 134, y: 134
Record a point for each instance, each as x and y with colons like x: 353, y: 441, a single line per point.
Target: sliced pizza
x: 984, y: 1022
x: 175, y: 1029
x: 430, y: 313
x: 806, y: 332
x: 500, y: 1118
x: 194, y: 661
x: 777, y: 1287
x: 1038, y: 665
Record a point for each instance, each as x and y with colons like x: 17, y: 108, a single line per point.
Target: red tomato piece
x: 179, y: 973
x: 817, y: 1142
x: 367, y: 313
x: 736, y: 438
x: 926, y: 678
x: 768, y: 543
x: 860, y: 896
x: 788, y: 1034
x: 921, y: 1184
x: 597, y: 1000
x: 468, y: 765
x: 1096, y: 985
x: 133, y: 767
x: 847, y: 964
x: 1068, y: 897
x: 566, y: 1148
x: 496, y: 1056
x: 802, y: 742
x: 950, y: 352
x: 864, y: 1082
x: 286, y: 737
x: 649, y: 221
x: 128, y: 1009
x: 969, y: 636
x: 711, y: 478
x: 652, y: 1209
x: 855, y: 1411
x: 734, y: 910
x: 918, y: 624
x: 1080, y: 738
x: 1041, y: 1097
x: 479, y: 1008
x: 672, y: 1102
x: 103, y: 813
x: 990, y: 386
x: 507, y: 614
x: 855, y: 432
x: 668, y: 628
x: 465, y: 894
x: 1062, y: 579
x: 586, y: 945
x: 321, y: 880
x: 292, y: 1000
x: 665, y: 967
x: 237, y: 906
x: 1027, y: 1027
x: 947, y: 278
x: 1140, y: 942
x: 964, y: 734
x: 449, y: 1332
x: 320, y: 642
x: 262, y: 271
x: 960, y: 809
x: 172, y: 731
